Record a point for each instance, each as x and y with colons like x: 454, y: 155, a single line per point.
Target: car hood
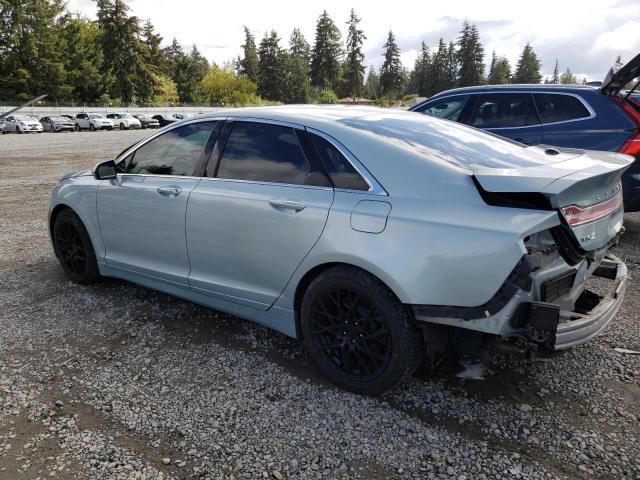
x: 83, y: 173
x: 620, y: 75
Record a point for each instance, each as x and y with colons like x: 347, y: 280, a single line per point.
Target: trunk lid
x: 619, y: 75
x: 583, y: 186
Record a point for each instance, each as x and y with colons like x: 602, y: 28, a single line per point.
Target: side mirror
x: 106, y: 170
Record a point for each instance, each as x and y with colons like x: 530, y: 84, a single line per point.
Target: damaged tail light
x: 575, y: 215
x: 632, y: 145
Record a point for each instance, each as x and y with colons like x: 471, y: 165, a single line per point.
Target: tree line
x: 120, y: 59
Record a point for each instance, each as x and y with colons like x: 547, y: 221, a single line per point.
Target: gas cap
x: 370, y: 216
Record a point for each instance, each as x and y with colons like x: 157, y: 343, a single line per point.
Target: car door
x: 508, y: 114
x: 257, y: 213
x: 82, y: 120
x: 10, y: 124
x: 142, y: 212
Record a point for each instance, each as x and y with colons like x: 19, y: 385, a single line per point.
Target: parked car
x: 70, y: 117
x: 165, y: 119
x: 147, y: 121
x: 21, y: 124
x: 182, y: 116
x: 57, y: 124
x: 1, y: 125
x: 92, y: 121
x: 563, y: 115
x: 369, y: 233
x: 124, y: 121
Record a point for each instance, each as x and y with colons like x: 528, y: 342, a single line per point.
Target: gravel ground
x: 113, y: 381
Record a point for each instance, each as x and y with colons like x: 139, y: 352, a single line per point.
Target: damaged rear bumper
x: 574, y: 328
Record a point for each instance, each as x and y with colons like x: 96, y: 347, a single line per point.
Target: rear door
x: 508, y: 114
x: 263, y: 207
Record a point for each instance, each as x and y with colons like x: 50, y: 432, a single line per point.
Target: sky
x: 583, y: 35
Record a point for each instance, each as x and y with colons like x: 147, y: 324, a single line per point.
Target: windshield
x: 95, y: 115
x: 58, y: 119
x: 24, y: 118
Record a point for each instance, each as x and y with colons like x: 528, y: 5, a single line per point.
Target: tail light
x: 575, y: 215
x: 631, y: 146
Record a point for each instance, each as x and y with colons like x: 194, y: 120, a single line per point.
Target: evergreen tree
x: 528, y: 67
x: 31, y: 54
x: 173, y: 55
x: 470, y: 57
x: 354, y: 66
x: 121, y: 48
x: 326, y: 53
x: 154, y: 54
x: 249, y: 63
x: 419, y: 80
x: 82, y: 58
x: 439, y: 77
x: 568, y: 78
x: 555, y: 78
x: 272, y: 62
x: 189, y: 72
x: 452, y: 66
x: 500, y: 71
x: 297, y: 68
x: 372, y: 85
x: 391, y: 73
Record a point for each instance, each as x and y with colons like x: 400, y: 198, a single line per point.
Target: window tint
x: 176, y: 152
x: 264, y: 152
x: 342, y: 173
x: 503, y: 110
x: 559, y: 108
x: 447, y: 108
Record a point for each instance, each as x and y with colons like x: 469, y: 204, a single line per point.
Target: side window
x: 342, y: 173
x: 264, y: 152
x: 176, y: 152
x: 449, y: 108
x: 554, y: 107
x: 503, y: 110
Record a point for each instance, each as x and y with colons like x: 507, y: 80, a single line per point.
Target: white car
x: 21, y: 124
x: 93, y: 122
x: 124, y: 121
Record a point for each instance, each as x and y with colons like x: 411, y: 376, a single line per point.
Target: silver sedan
x: 376, y: 236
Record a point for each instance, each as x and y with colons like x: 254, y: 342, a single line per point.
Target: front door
x: 142, y: 211
x: 508, y: 114
x: 249, y: 228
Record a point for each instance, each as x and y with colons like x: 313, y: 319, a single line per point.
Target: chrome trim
x: 374, y: 187
x: 155, y: 175
x: 262, y: 182
x: 270, y: 121
x: 162, y: 131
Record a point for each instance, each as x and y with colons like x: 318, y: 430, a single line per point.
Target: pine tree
x: 470, y: 57
x: 452, y: 66
x: 568, y: 78
x: 391, y: 73
x: 249, y: 63
x: 272, y: 62
x: 500, y: 72
x: 153, y: 52
x: 326, y: 53
x: 372, y: 85
x: 189, y: 72
x: 297, y: 69
x: 555, y: 78
x: 439, y: 77
x: 528, y: 67
x: 419, y: 80
x: 354, y: 66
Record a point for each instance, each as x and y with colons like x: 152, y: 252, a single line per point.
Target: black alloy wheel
x: 357, y: 331
x: 74, y: 249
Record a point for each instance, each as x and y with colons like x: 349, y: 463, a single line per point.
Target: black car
x: 165, y: 119
x: 147, y: 121
x: 572, y: 116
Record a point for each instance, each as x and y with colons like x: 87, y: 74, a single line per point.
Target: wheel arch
x: 54, y: 214
x: 313, y: 273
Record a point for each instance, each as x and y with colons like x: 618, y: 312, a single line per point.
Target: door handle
x: 287, y: 205
x: 169, y: 191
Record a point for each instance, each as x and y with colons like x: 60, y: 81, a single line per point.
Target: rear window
x: 342, y: 173
x: 556, y: 107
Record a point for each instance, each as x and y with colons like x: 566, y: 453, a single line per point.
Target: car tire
x: 77, y: 128
x: 122, y: 126
x: 19, y: 130
x: 358, y: 333
x: 92, y: 127
x: 74, y: 249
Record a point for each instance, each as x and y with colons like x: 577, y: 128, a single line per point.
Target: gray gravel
x: 114, y: 381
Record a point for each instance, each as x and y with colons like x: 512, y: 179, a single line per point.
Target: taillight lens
x: 631, y: 146
x: 575, y: 215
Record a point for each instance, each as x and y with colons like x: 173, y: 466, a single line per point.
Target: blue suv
x: 571, y: 116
